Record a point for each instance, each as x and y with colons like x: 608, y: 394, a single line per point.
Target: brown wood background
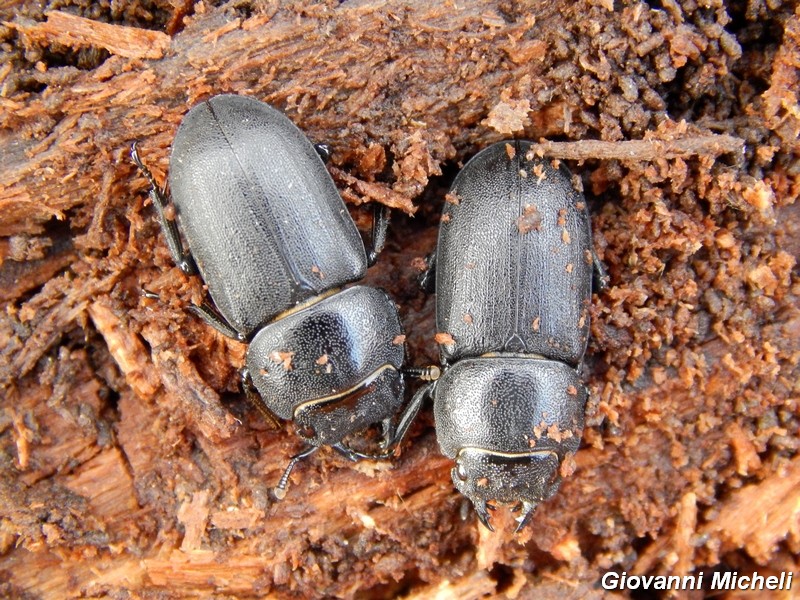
x: 133, y: 468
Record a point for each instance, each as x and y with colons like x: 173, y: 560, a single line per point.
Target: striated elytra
x: 513, y: 278
x: 272, y: 239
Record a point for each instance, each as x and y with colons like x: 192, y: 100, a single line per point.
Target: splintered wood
x: 760, y: 516
x: 643, y: 150
x: 76, y: 32
x: 131, y: 463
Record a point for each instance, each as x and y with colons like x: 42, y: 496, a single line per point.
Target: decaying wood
x: 645, y: 150
x: 77, y: 32
x: 130, y: 463
x: 760, y: 516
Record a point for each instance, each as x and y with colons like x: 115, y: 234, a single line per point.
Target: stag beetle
x: 270, y: 236
x: 513, y: 281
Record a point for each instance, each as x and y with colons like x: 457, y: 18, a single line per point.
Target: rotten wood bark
x: 130, y: 461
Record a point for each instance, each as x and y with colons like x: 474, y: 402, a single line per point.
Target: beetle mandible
x: 272, y: 239
x: 513, y: 274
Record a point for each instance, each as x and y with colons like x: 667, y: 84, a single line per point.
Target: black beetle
x: 272, y: 239
x: 513, y: 272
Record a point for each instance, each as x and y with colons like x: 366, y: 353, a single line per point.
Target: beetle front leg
x: 387, y: 432
x: 355, y: 455
x: 392, y: 436
x: 408, y: 415
x: 158, y: 197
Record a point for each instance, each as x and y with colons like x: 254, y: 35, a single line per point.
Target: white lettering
x: 721, y: 581
x: 623, y: 581
x: 730, y: 580
x: 607, y: 583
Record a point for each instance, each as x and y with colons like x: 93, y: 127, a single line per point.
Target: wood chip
x: 78, y: 32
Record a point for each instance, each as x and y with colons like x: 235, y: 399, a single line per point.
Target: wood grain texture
x: 130, y: 463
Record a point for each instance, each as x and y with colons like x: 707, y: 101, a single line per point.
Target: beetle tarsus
x: 141, y: 166
x: 427, y: 279
x: 380, y: 223
x: 600, y: 276
x: 210, y: 315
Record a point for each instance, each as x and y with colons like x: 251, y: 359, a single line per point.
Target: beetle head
x: 329, y: 423
x: 329, y: 420
x: 523, y: 479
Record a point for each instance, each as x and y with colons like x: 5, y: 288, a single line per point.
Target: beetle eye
x: 307, y: 431
x: 554, y: 476
x: 461, y: 472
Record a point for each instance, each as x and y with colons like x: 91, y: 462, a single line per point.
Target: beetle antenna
x: 279, y: 491
x: 429, y: 373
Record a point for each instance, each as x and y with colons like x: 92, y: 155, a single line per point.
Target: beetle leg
x: 208, y: 313
x: 427, y: 279
x: 380, y: 223
x: 599, y: 275
x: 355, y: 456
x: 255, y: 399
x: 158, y: 196
x: 483, y: 513
x: 324, y: 151
x: 528, y: 508
x: 408, y: 415
x: 182, y: 258
x: 387, y: 432
x: 279, y: 491
x: 346, y: 452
